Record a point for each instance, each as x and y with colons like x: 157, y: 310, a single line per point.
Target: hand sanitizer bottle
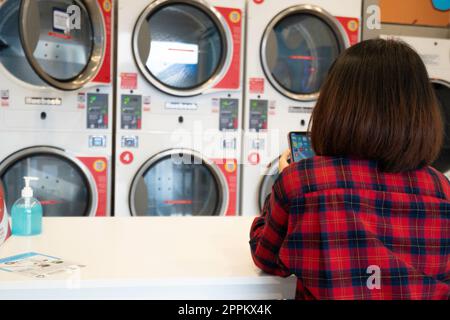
x: 26, y: 213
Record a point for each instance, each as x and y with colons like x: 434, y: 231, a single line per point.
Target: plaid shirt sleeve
x: 268, y: 232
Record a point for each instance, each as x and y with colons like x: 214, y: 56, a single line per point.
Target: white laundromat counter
x: 146, y: 258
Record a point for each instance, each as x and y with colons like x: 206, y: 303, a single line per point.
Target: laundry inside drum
x: 181, y: 46
x: 299, y: 52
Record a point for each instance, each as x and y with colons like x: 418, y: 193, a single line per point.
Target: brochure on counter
x: 39, y: 266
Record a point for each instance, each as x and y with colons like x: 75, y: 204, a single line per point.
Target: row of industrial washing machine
x: 138, y: 108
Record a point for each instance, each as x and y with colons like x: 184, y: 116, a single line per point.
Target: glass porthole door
x: 64, y: 187
x: 178, y: 183
x: 182, y: 47
x: 298, y: 48
x: 42, y: 44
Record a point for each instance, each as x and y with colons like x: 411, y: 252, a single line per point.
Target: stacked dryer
x: 179, y: 107
x: 290, y: 48
x: 435, y: 54
x: 56, y: 103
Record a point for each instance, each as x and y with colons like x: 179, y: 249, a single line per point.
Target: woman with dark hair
x: 367, y: 218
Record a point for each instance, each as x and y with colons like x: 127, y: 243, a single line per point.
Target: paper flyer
x: 38, y: 266
x: 5, y: 230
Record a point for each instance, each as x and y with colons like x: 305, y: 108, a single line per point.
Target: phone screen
x: 301, y: 147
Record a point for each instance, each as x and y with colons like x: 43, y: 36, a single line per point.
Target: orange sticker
x: 235, y: 16
x: 99, y: 166
x: 353, y: 25
x: 230, y: 166
x: 107, y: 6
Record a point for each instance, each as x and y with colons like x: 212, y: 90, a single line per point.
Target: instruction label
x: 39, y: 266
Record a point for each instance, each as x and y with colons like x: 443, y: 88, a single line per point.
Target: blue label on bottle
x: 26, y: 216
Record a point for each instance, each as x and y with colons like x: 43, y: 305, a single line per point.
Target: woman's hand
x: 284, y: 161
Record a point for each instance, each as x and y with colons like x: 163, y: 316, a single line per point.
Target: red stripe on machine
x: 309, y: 58
x: 185, y: 202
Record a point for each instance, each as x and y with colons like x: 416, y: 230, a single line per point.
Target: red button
x: 126, y: 157
x: 258, y: 1
x: 254, y: 158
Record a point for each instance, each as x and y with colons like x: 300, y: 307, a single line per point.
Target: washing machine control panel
x: 131, y: 112
x: 259, y: 110
x: 97, y: 111
x: 97, y: 141
x: 130, y: 142
x: 229, y: 114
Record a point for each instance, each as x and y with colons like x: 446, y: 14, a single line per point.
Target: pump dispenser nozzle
x: 27, y: 192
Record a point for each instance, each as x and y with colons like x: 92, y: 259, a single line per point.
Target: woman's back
x: 356, y: 232
x: 377, y: 228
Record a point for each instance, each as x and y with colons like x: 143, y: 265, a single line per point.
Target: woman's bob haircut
x: 377, y: 103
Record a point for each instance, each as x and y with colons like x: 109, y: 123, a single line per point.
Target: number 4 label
x: 126, y: 158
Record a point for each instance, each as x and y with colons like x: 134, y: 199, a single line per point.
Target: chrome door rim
x: 447, y: 85
x: 314, y: 10
x: 273, y: 170
x: 227, y: 43
x: 441, y: 81
x: 13, y: 158
x: 217, y: 174
x: 97, y: 55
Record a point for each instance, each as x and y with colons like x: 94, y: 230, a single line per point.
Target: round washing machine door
x: 60, y: 43
x: 179, y: 183
x: 442, y: 89
x: 182, y: 47
x: 64, y: 188
x: 265, y: 188
x: 298, y: 48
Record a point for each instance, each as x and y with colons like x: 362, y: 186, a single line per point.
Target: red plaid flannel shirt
x: 329, y: 220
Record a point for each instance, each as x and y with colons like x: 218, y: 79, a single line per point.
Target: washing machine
x: 179, y: 93
x: 290, y: 48
x: 435, y: 54
x: 56, y: 103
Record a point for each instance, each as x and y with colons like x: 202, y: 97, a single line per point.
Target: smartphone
x: 301, y: 147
